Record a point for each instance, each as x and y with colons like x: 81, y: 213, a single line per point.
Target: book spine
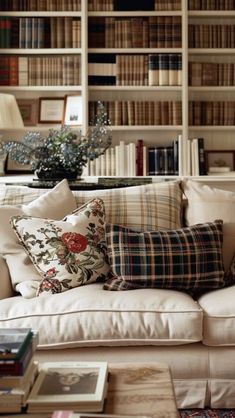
x: 11, y: 367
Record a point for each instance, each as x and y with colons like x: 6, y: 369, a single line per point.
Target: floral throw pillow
x: 67, y: 253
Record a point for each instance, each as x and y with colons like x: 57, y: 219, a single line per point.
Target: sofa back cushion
x: 206, y: 204
x: 146, y: 207
x: 187, y: 259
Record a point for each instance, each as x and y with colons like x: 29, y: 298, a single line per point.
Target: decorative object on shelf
x: 29, y: 111
x: 51, y: 109
x: 65, y: 152
x: 10, y: 118
x: 220, y: 162
x: 73, y: 110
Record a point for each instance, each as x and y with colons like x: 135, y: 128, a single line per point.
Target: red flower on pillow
x: 76, y: 243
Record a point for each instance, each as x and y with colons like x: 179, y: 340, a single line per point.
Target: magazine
x: 80, y: 386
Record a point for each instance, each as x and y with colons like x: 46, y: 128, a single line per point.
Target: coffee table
x: 141, y: 389
x: 135, y: 389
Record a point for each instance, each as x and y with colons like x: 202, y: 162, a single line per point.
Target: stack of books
x: 17, y: 367
x: 65, y: 386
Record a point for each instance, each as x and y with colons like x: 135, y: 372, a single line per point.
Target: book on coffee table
x: 14, y: 342
x: 79, y: 386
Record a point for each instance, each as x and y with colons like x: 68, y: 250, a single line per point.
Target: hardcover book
x: 69, y: 385
x: 14, y: 342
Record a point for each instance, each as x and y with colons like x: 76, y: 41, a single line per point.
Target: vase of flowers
x: 64, y: 152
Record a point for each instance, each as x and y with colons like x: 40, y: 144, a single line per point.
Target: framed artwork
x: 29, y: 111
x: 73, y: 110
x: 219, y: 161
x: 51, y: 109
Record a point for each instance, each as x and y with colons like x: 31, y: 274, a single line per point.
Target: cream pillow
x: 67, y: 253
x: 206, y: 204
x: 55, y: 204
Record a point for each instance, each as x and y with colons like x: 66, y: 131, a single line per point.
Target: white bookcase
x: 215, y: 137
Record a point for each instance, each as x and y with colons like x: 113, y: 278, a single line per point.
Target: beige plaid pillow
x: 147, y: 207
x: 19, y: 195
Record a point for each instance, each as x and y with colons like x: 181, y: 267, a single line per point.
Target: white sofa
x: 196, y: 337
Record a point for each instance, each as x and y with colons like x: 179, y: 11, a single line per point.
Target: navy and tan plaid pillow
x: 187, y: 259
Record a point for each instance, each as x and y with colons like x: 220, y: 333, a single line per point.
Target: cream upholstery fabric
x: 88, y: 315
x: 6, y: 290
x: 219, y: 317
x: 55, y: 203
x: 206, y: 204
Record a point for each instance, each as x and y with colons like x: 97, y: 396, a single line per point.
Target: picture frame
x: 219, y: 161
x: 73, y: 110
x: 51, y: 109
x: 29, y: 111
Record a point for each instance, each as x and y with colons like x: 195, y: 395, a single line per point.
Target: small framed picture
x: 29, y: 111
x: 51, y: 109
x: 220, y: 161
x: 73, y: 110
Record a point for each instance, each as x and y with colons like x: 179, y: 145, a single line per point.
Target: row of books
x: 109, y: 5
x: 135, y: 32
x: 211, y: 113
x: 135, y: 69
x: 163, y: 161
x: 211, y: 74
x: 211, y: 5
x: 18, y: 370
x: 211, y: 36
x: 134, y: 112
x: 40, y: 5
x: 195, y: 157
x: 39, y: 32
x: 40, y: 71
x: 136, y: 159
x: 121, y: 160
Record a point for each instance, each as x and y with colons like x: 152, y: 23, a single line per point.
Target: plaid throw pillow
x: 143, y: 208
x: 188, y: 259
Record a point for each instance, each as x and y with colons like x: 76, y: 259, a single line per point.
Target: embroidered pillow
x: 187, y: 259
x: 67, y: 253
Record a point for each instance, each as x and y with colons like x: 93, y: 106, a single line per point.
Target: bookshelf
x: 144, y: 65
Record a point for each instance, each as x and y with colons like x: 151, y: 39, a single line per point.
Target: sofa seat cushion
x: 219, y: 317
x: 88, y: 315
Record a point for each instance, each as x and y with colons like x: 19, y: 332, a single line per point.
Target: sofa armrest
x: 6, y: 290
